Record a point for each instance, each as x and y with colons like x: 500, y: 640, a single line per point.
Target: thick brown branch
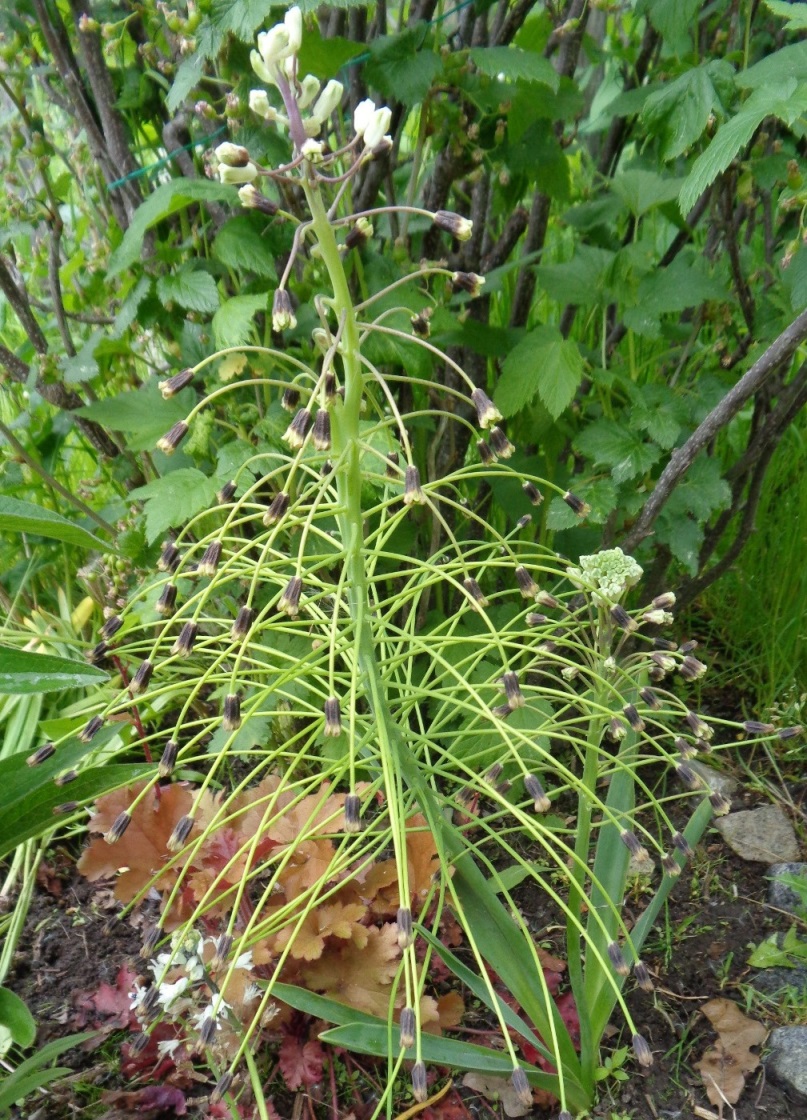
x: 14, y: 290
x: 779, y: 352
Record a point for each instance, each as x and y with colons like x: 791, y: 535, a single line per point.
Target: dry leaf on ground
x: 730, y: 1059
x: 497, y: 1089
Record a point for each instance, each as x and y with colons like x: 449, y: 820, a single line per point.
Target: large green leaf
x: 514, y: 64
x: 142, y: 413
x: 16, y: 1019
x: 239, y: 245
x: 192, y: 289
x: 166, y: 200
x: 173, y: 499
x: 23, y: 672
x: 544, y: 363
x: 401, y: 68
x: 680, y: 111
x: 17, y: 516
x: 607, y: 442
x: 795, y: 14
x: 233, y: 322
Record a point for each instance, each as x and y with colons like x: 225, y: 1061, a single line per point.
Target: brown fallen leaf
x: 497, y: 1089
x: 726, y: 1064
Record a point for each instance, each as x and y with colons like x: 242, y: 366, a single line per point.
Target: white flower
x: 377, y: 127
x: 283, y: 40
x: 238, y: 174
x: 244, y: 960
x: 362, y: 115
x: 309, y: 88
x: 137, y: 996
x: 328, y: 101
x: 167, y: 1047
x: 266, y: 73
x: 293, y: 21
x: 607, y: 575
x: 232, y: 155
x: 312, y: 150
x: 251, y: 992
x: 169, y: 992
x: 259, y: 103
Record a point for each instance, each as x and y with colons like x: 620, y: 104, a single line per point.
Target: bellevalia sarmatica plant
x: 294, y: 637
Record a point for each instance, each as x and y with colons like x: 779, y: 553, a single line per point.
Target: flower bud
x: 290, y: 398
x: 91, y: 729
x: 42, y: 754
x: 500, y: 443
x: 404, y: 923
x: 632, y: 716
x: 169, y: 558
x: 469, y: 282
x: 617, y: 959
x: 169, y: 758
x: 140, y: 681
x: 541, y: 803
x: 183, y: 646
x: 328, y: 101
x: 290, y: 599
x: 581, y: 508
x: 167, y: 600
x: 622, y: 619
x: 521, y: 1088
x: 111, y: 626
x: 252, y: 199
x: 642, y: 974
x: 321, y: 433
x: 642, y: 1051
x: 209, y: 563
x: 419, y: 1083
x: 297, y: 430
x: 118, y: 827
x: 690, y: 668
x: 533, y: 493
x: 664, y: 602
x: 407, y: 1028
x: 277, y: 508
x: 181, y: 832
x: 333, y: 718
x: 527, y: 585
x: 231, y: 716
x: 352, y: 813
x: 243, y: 624
x: 475, y: 593
x: 486, y: 411
x: 412, y: 490
x: 172, y: 438
x: 232, y: 155
x: 232, y: 176
x: 512, y: 690
x: 754, y: 727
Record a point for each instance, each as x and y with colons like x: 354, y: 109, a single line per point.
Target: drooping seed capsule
x: 642, y: 1051
x: 333, y: 718
x: 475, y: 593
x: 231, y: 716
x: 243, y: 623
x: 91, y: 729
x: 209, y: 563
x: 526, y: 584
x: 622, y: 619
x: 297, y: 430
x: 521, y: 1087
x: 207, y: 1031
x: 169, y: 758
x: 486, y: 411
x: 150, y: 942
x: 140, y: 681
x: 687, y: 775
x: 412, y: 491
x: 290, y: 599
x: 407, y: 1028
x: 118, y: 827
x: 720, y: 804
x: 581, y: 508
x: 352, y: 813
x: 754, y: 727
x: 632, y: 716
x: 534, y: 619
x: 223, y: 1086
x: 277, y: 508
x: 691, y: 669
x: 664, y: 602
x: 670, y: 866
x: 182, y: 830
x: 512, y: 690
x: 665, y: 645
x: 663, y: 660
x: 485, y: 452
x: 494, y: 773
x: 169, y: 557
x: 544, y: 599
x: 173, y: 385
x: 452, y: 223
x: 540, y: 801
x: 500, y: 444
x: 172, y: 438
x: 393, y: 460
x: 404, y: 923
x: 616, y: 730
x: 686, y: 749
x: 290, y: 398
x: 41, y: 754
x: 111, y: 627
x: 682, y: 845
x: 65, y: 778
x: 97, y: 655
x: 634, y: 845
x: 150, y: 1003
x: 227, y: 493
x: 785, y: 733
x: 167, y: 600
x: 470, y: 282
x: 642, y: 975
x: 183, y: 646
x: 649, y: 697
x: 533, y: 493
x: 617, y: 959
x: 700, y: 729
x: 321, y: 434
x: 139, y: 1043
x: 419, y: 1084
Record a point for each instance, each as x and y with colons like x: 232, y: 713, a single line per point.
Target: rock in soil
x: 763, y: 835
x: 782, y: 895
x: 787, y: 1061
x: 717, y: 782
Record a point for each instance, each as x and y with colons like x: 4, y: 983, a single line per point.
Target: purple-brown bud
x: 169, y: 758
x: 183, y: 646
x: 231, y: 715
x: 169, y: 558
x: 500, y: 443
x: 642, y: 1051
x: 581, y: 508
x: 290, y: 398
x: 333, y: 718
x: 290, y: 599
x: 172, y: 438
x: 176, y: 383
x: 118, y: 827
x: 419, y: 1083
x: 512, y: 690
x: 167, y: 600
x: 243, y: 623
x: 352, y: 813
x: 42, y: 754
x: 541, y: 803
x: 622, y: 619
x: 643, y: 978
x: 486, y: 411
x: 475, y: 592
x: 140, y: 681
x: 277, y: 508
x: 533, y: 493
x: 634, y: 719
x: 182, y: 830
x: 404, y: 923
x: 321, y: 434
x: 298, y: 429
x: 412, y: 490
x: 209, y: 563
x: 111, y: 627
x: 407, y: 1028
x: 91, y: 729
x: 526, y: 584
x: 521, y: 1088
x: 617, y: 959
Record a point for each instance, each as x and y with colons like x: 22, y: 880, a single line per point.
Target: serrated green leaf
x: 543, y: 363
x: 23, y: 672
x: 324, y: 58
x: 233, y: 322
x: 166, y: 199
x: 795, y: 14
x: 779, y: 67
x: 83, y: 366
x: 795, y: 279
x: 17, y: 516
x: 673, y: 19
x: 401, y: 68
x: 733, y: 136
x: 601, y: 495
x: 187, y: 77
x: 192, y: 289
x: 609, y: 443
x: 17, y: 1019
x: 581, y: 280
x: 514, y: 64
x: 702, y: 491
x: 641, y: 191
x: 238, y: 245
x: 680, y: 111
x: 141, y: 413
x: 173, y: 499
x: 684, y: 537
x: 684, y: 283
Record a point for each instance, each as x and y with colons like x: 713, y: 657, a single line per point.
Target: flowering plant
x: 293, y: 630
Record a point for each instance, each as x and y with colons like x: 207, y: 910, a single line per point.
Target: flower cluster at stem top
x: 606, y: 575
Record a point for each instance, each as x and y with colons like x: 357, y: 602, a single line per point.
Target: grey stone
x: 786, y: 1062
x: 717, y: 782
x: 781, y: 895
x: 763, y: 835
x: 769, y: 981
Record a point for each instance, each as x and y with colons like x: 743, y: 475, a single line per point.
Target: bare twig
x: 779, y: 352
